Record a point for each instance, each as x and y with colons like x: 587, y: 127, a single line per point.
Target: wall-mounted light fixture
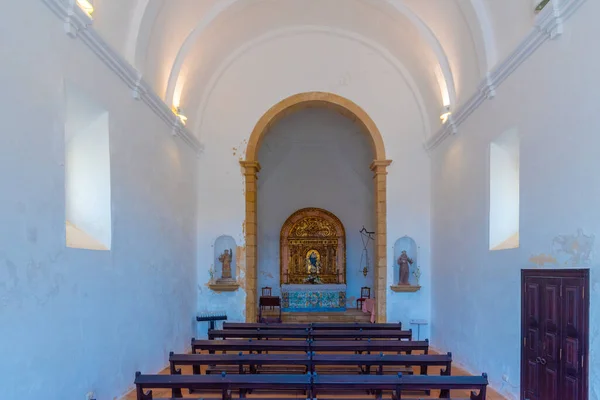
x: 445, y: 114
x: 541, y: 6
x: 86, y: 6
x: 177, y: 112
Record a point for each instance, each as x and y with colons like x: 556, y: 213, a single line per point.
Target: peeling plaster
x: 573, y: 250
x: 543, y: 259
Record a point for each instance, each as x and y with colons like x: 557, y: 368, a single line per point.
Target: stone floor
x: 491, y: 395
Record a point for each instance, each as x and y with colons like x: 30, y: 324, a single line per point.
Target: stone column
x: 250, y: 170
x: 379, y: 168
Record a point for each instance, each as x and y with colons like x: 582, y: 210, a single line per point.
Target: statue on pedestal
x: 404, y: 262
x: 225, y: 259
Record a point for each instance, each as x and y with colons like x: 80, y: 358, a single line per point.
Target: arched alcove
x: 222, y: 243
x: 408, y: 244
x: 251, y: 167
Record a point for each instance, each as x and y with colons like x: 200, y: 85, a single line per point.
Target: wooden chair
x: 272, y: 303
x: 365, y: 293
x: 266, y: 291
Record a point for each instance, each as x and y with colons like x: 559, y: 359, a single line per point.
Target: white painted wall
x: 552, y: 101
x: 73, y: 320
x: 315, y: 158
x: 87, y: 179
x: 306, y: 62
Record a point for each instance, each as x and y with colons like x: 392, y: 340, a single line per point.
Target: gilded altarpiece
x: 313, y: 244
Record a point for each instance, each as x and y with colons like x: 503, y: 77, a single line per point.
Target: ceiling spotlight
x: 86, y: 6
x: 445, y: 115
x: 177, y: 112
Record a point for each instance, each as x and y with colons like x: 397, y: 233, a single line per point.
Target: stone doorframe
x: 251, y: 167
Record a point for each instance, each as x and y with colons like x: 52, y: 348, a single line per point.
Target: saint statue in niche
x: 404, y: 261
x: 225, y: 259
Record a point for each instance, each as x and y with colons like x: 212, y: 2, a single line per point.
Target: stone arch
x: 251, y: 167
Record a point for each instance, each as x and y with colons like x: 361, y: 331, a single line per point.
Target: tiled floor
x: 492, y: 395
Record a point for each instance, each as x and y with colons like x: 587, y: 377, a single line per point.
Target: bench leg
x: 480, y: 396
x: 196, y: 369
x: 444, y: 394
x: 141, y: 395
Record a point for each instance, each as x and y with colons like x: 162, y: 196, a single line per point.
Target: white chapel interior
x: 223, y: 199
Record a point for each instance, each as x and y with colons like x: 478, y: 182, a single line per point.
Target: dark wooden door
x: 555, y: 311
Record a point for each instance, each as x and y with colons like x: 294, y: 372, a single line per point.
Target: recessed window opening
x: 504, y: 191
x: 87, y: 172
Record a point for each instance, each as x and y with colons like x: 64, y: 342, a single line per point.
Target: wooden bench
x: 244, y: 363
x: 360, y: 334
x: 314, y: 326
x: 369, y: 346
x: 358, y: 346
x: 223, y: 383
x: 307, y: 333
x: 249, y: 363
x: 367, y: 361
x: 400, y: 383
x: 259, y: 334
x: 311, y: 384
x: 250, y: 345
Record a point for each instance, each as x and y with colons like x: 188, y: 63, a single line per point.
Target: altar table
x: 323, y: 297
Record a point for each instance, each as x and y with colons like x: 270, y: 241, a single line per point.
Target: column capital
x: 250, y: 167
x: 380, y: 166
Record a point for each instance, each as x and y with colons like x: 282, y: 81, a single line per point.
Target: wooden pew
x: 399, y: 383
x: 309, y: 362
x: 250, y: 345
x: 315, y: 326
x: 260, y: 334
x: 360, y: 346
x: 244, y: 362
x: 220, y: 382
x: 360, y: 334
x: 312, y: 384
x: 369, y: 346
x: 370, y: 360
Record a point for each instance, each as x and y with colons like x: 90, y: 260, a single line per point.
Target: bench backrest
x: 307, y: 333
x: 251, y: 345
x: 312, y: 383
x: 315, y: 326
x: 309, y: 345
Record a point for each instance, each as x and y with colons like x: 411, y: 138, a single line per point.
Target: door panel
x: 574, y: 334
x: 532, y: 321
x: 551, y: 328
x: 554, y: 323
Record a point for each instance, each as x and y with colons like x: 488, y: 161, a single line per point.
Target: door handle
x: 543, y: 361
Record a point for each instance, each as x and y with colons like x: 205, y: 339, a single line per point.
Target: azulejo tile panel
x: 313, y: 300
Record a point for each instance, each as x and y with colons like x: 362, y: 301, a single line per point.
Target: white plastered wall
x: 75, y: 321
x: 476, y: 294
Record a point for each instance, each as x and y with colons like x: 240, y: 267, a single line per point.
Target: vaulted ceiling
x: 443, y: 48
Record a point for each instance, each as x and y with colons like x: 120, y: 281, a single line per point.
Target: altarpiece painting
x: 313, y: 261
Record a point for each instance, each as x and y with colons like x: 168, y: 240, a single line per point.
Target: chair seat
x: 360, y: 301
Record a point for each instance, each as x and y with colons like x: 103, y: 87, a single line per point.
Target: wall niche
x: 223, y: 277
x: 409, y: 283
